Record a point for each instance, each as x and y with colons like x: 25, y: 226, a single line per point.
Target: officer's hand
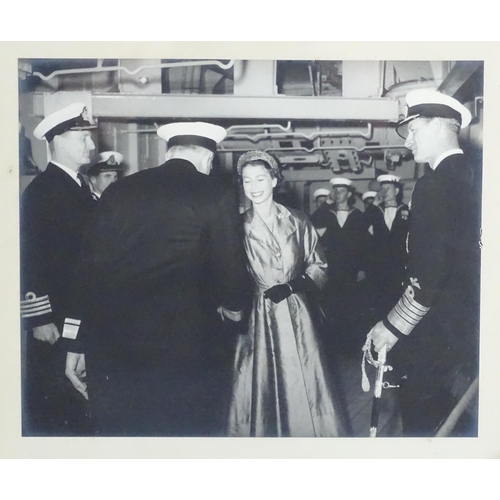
x: 361, y: 276
x: 278, y: 293
x: 46, y: 333
x: 228, y: 314
x: 382, y: 336
x: 76, y: 372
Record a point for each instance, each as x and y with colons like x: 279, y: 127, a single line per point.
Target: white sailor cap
x: 201, y: 134
x: 431, y: 103
x: 368, y: 194
x: 321, y: 192
x: 340, y: 181
x: 72, y: 117
x: 108, y: 161
x: 394, y: 179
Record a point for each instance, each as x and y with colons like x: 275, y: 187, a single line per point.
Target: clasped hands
x: 278, y: 293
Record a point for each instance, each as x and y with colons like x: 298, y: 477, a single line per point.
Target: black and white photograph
x: 250, y: 248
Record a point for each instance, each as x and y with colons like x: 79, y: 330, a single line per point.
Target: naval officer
x: 104, y: 172
x: 55, y: 209
x: 432, y: 330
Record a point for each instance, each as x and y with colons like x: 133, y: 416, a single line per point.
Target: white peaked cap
x: 201, y: 134
x: 388, y: 178
x: 106, y: 155
x: 321, y: 192
x: 369, y: 194
x: 72, y: 117
x: 431, y: 103
x: 340, y: 181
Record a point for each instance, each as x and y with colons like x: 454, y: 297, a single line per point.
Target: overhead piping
x: 311, y: 137
x: 99, y: 68
x: 320, y: 148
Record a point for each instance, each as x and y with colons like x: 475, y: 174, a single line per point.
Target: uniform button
x: 278, y: 254
x: 279, y: 268
x: 278, y: 281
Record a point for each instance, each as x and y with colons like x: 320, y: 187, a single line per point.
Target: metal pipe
x: 320, y: 148
x: 311, y: 137
x: 264, y: 125
x: 100, y: 68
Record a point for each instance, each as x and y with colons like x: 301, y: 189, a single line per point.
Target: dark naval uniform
x: 345, y: 249
x: 437, y: 318
x: 388, y: 257
x: 54, y: 213
x: 165, y: 250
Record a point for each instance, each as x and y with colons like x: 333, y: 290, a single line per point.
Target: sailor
x: 55, y: 208
x: 368, y: 198
x: 388, y: 224
x: 320, y: 196
x: 104, y: 172
x: 166, y: 253
x: 345, y: 240
x: 433, y: 328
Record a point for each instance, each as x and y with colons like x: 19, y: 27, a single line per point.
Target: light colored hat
x: 256, y: 155
x: 109, y: 161
x: 72, y: 117
x: 368, y: 194
x: 389, y: 178
x: 340, y: 181
x: 321, y: 192
x: 431, y: 103
x: 201, y: 134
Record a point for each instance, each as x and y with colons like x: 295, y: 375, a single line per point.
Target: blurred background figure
x: 368, y: 198
x: 106, y: 171
x: 320, y: 196
x: 345, y: 240
x: 388, y: 223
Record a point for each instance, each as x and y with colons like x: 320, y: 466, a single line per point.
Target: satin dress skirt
x: 281, y: 386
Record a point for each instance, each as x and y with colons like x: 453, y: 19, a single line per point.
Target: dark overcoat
x: 166, y: 245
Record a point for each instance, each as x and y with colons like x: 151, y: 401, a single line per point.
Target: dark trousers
x: 146, y: 394
x: 51, y: 406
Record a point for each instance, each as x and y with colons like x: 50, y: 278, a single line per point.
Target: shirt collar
x: 70, y: 172
x: 441, y: 157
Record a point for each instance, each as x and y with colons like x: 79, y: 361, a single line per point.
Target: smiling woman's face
x: 258, y: 183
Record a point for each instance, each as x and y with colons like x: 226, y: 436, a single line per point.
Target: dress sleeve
x: 315, y: 261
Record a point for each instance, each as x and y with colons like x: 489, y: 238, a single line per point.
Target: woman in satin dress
x: 281, y: 386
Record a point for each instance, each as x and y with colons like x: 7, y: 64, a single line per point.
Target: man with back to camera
x: 433, y: 330
x: 165, y: 250
x: 104, y: 172
x: 55, y: 208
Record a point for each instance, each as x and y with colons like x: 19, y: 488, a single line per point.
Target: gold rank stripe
x: 407, y: 313
x: 35, y: 307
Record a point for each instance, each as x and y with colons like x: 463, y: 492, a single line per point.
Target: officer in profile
x: 55, y: 209
x: 432, y: 331
x: 103, y: 173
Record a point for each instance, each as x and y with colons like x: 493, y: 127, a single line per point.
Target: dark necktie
x: 84, y: 185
